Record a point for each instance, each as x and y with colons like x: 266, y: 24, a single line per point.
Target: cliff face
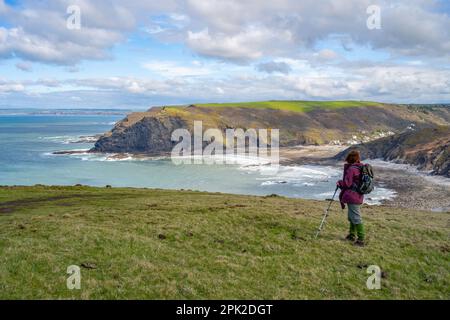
x: 427, y: 148
x: 150, y: 132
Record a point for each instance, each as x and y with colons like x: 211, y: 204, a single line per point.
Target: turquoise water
x: 28, y: 141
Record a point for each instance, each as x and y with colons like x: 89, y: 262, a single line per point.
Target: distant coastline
x: 62, y: 112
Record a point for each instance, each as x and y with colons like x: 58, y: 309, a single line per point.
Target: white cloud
x: 24, y: 66
x: 412, y: 28
x: 135, y: 87
x: 16, y: 42
x: 326, y: 54
x: 274, y: 67
x: 382, y: 82
x: 169, y: 69
x: 11, y: 86
x: 287, y: 40
x: 243, y: 46
x: 39, y: 31
x: 232, y: 30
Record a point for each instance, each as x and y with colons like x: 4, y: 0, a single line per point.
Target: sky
x: 136, y: 54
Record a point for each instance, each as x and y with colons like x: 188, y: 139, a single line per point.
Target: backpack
x: 366, y: 184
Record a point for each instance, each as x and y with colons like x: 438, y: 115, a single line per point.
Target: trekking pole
x: 326, y: 214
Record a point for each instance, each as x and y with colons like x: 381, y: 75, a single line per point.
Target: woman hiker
x: 353, y: 199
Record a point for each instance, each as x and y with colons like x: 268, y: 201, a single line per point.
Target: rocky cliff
x: 426, y: 148
x: 150, y: 132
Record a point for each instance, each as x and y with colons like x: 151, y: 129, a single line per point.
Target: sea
x: 29, y: 138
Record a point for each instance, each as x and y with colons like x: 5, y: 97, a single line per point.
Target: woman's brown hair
x: 353, y: 157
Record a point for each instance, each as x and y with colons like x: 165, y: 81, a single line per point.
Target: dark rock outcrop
x: 150, y: 135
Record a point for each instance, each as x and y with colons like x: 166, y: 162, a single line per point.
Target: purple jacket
x: 351, y: 177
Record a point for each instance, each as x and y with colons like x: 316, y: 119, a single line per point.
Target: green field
x: 156, y: 244
x: 298, y: 106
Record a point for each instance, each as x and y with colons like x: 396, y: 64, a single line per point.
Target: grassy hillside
x: 324, y: 122
x: 297, y: 106
x: 155, y: 244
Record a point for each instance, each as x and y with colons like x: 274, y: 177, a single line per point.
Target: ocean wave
x: 380, y: 194
x: 73, y: 153
x: 85, y: 155
x: 306, y: 175
x: 9, y: 114
x: 242, y: 161
x: 271, y: 183
x: 376, y: 197
x: 71, y: 139
x: 109, y: 123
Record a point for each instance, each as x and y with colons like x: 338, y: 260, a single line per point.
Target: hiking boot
x: 360, y: 243
x: 350, y: 237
